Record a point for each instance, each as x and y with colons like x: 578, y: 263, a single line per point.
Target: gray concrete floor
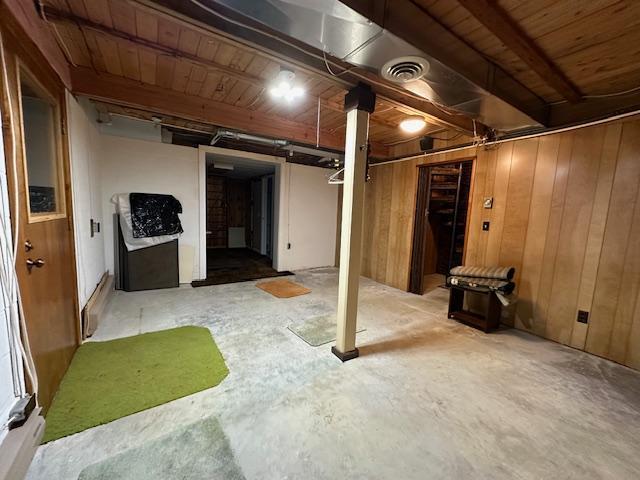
x: 427, y: 399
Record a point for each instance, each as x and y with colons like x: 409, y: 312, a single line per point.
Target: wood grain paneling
x: 616, y: 280
x: 534, y: 245
x: 566, y: 214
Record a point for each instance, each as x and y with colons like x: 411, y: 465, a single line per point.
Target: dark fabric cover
x: 153, y: 214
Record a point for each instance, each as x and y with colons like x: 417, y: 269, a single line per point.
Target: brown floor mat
x: 283, y: 288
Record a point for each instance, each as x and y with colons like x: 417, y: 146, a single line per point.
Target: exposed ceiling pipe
x: 318, y: 152
x: 220, y: 134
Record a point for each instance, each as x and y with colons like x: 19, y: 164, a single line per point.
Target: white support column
x: 359, y: 103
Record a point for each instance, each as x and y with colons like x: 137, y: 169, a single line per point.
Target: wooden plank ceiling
x: 595, y: 43
x: 123, y: 39
x: 587, y: 49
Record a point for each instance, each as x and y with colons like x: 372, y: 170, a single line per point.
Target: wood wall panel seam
x: 596, y: 232
x: 629, y: 286
x: 616, y: 239
x: 570, y: 319
x: 533, y: 250
x: 550, y: 264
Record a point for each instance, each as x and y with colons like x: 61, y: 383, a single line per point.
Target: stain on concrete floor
x: 428, y: 397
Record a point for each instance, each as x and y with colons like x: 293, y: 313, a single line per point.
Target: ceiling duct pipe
x: 335, y: 29
x: 220, y: 134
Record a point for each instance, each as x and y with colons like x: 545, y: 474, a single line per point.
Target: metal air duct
x: 336, y: 29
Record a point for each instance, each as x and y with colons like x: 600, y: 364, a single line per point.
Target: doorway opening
x: 440, y: 224
x: 239, y: 220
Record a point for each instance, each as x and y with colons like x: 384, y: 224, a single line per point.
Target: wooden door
x: 420, y: 232
x: 217, y: 221
x: 41, y: 212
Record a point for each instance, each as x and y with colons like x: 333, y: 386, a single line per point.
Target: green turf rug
x: 318, y: 330
x: 113, y: 379
x: 198, y: 451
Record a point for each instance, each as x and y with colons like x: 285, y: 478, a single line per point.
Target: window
x: 42, y: 152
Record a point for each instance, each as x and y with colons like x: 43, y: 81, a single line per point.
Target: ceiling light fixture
x: 283, y: 87
x: 413, y: 124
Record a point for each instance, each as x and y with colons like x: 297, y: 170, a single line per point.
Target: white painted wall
x: 132, y: 165
x: 131, y: 128
x: 305, y: 206
x: 308, y: 218
x: 84, y: 151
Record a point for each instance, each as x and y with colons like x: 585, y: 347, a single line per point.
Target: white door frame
x: 280, y: 194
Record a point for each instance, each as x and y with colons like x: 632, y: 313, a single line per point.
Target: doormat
x: 198, y: 451
x: 113, y: 379
x: 283, y: 288
x: 318, y: 330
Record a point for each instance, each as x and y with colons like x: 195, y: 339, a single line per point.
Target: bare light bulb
x: 283, y: 88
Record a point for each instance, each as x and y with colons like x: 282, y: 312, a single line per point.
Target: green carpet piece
x: 197, y: 451
x: 317, y: 330
x: 113, y: 379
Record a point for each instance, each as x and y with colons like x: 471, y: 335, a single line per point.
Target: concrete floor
x: 428, y: 397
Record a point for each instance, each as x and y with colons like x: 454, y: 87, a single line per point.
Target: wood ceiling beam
x: 563, y: 114
x: 301, y: 56
x: 502, y: 26
x: 25, y: 16
x: 416, y: 26
x: 58, y: 16
x: 126, y: 92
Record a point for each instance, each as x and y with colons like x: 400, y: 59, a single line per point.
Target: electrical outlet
x: 485, y: 226
x: 583, y: 317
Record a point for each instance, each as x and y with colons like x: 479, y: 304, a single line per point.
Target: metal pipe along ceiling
x: 248, y: 137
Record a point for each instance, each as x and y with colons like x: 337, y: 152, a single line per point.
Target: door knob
x: 38, y: 263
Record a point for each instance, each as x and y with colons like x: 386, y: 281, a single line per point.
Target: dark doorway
x: 239, y: 221
x: 440, y: 222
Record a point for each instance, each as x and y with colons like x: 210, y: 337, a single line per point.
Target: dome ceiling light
x: 413, y: 124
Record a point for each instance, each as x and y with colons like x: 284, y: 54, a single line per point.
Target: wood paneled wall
x: 566, y: 214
